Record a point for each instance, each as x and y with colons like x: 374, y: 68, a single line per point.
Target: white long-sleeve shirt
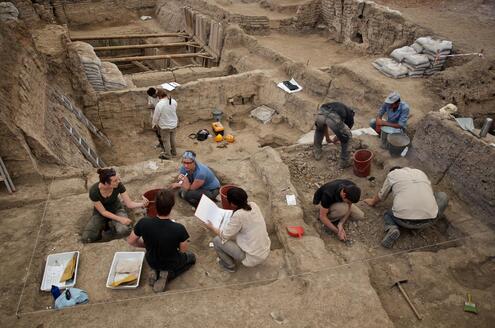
x: 165, y: 114
x: 248, y: 230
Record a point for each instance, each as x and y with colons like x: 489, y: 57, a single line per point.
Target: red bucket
x: 362, y: 162
x: 151, y: 196
x: 223, y: 196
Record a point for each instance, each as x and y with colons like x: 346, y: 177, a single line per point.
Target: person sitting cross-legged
x: 336, y: 200
x: 196, y: 179
x: 166, y: 243
x: 244, y: 237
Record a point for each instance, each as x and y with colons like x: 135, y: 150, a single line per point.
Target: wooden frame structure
x: 195, y: 49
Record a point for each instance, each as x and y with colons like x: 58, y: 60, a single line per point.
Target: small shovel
x: 469, y: 306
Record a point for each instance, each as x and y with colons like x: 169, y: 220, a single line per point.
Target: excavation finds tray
x: 55, y: 267
x: 125, y: 264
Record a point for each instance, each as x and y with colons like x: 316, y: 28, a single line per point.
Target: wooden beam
x: 127, y: 36
x: 155, y: 57
x: 144, y: 46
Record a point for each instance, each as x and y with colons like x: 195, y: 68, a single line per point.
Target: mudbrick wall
x: 367, y: 26
x: 82, y: 12
x: 458, y: 158
x: 196, y: 100
x: 30, y: 117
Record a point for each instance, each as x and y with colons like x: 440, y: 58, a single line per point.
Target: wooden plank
x: 145, y: 46
x: 127, y: 36
x: 155, y: 57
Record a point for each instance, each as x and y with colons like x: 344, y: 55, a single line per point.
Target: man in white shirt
x: 415, y: 205
x: 165, y: 117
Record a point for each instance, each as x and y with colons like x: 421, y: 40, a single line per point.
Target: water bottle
x: 55, y: 292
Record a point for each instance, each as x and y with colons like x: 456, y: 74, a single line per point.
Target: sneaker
x: 317, y: 152
x: 224, y: 266
x: 392, y: 235
x: 161, y: 282
x: 153, y: 277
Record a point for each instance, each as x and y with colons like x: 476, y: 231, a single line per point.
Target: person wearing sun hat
x: 397, y: 113
x: 396, y: 110
x: 196, y: 179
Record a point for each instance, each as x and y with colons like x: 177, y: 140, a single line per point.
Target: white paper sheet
x: 291, y: 200
x: 283, y: 87
x: 169, y: 86
x: 207, y: 210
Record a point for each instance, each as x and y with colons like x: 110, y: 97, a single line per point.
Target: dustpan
x: 466, y: 123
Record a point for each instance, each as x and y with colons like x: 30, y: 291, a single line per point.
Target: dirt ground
x: 315, y: 281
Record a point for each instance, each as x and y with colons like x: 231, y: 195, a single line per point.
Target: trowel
x: 466, y: 123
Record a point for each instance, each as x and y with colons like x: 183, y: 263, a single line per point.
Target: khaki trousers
x: 338, y: 210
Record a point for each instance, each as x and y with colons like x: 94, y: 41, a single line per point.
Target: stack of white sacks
x: 424, y: 57
x: 102, y: 76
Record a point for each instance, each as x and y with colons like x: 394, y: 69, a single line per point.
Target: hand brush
x: 469, y: 306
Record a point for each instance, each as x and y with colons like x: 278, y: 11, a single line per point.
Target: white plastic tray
x: 124, y: 256
x: 54, y: 268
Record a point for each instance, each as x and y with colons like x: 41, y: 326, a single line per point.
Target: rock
x: 8, y: 11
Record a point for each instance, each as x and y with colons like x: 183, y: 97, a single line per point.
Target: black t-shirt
x: 345, y: 113
x: 329, y: 193
x: 162, y: 239
x: 111, y: 203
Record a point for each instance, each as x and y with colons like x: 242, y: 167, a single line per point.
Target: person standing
x: 165, y: 117
x: 108, y: 213
x: 166, y: 243
x: 244, y: 237
x: 152, y: 101
x: 339, y: 118
x: 415, y: 205
x: 336, y: 199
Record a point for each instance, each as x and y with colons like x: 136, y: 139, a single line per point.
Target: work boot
x: 161, y: 282
x: 163, y: 156
x: 392, y: 235
x: 317, y: 152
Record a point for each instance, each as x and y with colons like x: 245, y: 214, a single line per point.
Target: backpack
x: 201, y: 135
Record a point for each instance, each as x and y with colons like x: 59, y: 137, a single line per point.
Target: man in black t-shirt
x: 166, y: 243
x: 339, y: 118
x: 336, y: 200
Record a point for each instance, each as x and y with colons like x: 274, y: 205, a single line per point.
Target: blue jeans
x: 442, y: 201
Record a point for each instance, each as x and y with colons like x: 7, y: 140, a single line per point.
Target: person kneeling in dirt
x: 336, y: 199
x: 415, y: 205
x: 196, y: 179
x: 166, y: 243
x: 397, y: 112
x: 244, y: 237
x: 340, y: 119
x: 109, y: 214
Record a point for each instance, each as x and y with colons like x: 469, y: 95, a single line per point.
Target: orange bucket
x: 151, y: 196
x: 362, y: 162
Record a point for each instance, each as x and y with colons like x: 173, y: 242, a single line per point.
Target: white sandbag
x: 390, y: 68
x: 416, y: 59
x: 417, y: 47
x: 430, y: 44
x: 400, y: 53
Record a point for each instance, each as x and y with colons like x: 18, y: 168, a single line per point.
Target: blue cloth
x: 77, y: 296
x: 401, y: 115
x: 202, y: 172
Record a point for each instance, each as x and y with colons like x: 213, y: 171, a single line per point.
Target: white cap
x: 392, y: 97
